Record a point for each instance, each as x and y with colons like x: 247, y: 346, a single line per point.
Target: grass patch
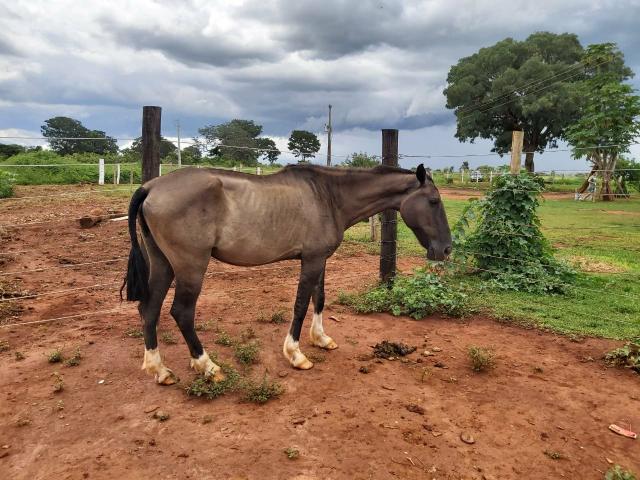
x: 553, y: 455
x: 55, y: 356
x: 482, y: 358
x: 261, y: 392
x: 134, y: 333
x: 618, y: 473
x: 247, y: 353
x: 224, y: 339
x: 168, y: 339
x: 417, y: 296
x: 58, y: 382
x: 292, y: 453
x: 626, y: 356
x: 207, y: 388
x: 277, y: 318
x: 74, y: 360
x: 19, y: 356
x: 4, y: 346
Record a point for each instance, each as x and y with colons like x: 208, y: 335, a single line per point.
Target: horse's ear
x: 421, y: 173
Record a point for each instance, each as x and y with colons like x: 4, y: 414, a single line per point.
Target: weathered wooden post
x: 116, y: 175
x: 150, y: 142
x: 101, y: 171
x: 389, y: 224
x: 517, y: 137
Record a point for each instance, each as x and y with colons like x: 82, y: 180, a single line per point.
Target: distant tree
x: 516, y: 85
x: 361, y: 160
x: 305, y: 144
x: 268, y: 149
x: 609, y: 112
x: 464, y: 166
x: 57, y: 130
x: 235, y: 140
x: 166, y: 148
x: 8, y: 150
x: 191, y: 155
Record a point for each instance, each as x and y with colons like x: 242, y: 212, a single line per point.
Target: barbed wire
x: 123, y: 236
x: 71, y: 194
x: 58, y: 220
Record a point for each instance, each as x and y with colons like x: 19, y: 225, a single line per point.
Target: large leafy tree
x: 304, y: 144
x: 268, y: 149
x: 60, y: 132
x: 166, y: 148
x: 517, y: 85
x: 235, y: 141
x: 609, y: 112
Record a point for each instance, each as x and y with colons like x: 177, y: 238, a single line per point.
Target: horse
x: 300, y: 212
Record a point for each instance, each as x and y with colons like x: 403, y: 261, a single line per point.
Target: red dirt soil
x: 545, y: 394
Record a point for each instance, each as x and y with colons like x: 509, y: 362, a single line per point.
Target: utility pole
x: 328, y: 128
x: 179, y: 152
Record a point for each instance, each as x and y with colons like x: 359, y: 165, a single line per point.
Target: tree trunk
x: 528, y: 161
x: 607, y: 193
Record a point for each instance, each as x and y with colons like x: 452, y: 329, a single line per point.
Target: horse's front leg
x: 318, y: 337
x: 310, y: 274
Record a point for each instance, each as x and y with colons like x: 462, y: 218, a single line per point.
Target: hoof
x: 330, y: 345
x: 305, y: 364
x: 218, y: 376
x: 167, y: 377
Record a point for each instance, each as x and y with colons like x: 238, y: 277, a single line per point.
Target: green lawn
x: 601, y: 237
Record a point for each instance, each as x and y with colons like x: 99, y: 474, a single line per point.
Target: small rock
x: 436, y: 349
x: 467, y: 438
x: 152, y: 442
x: 415, y: 408
x: 4, y: 454
x: 161, y: 416
x: 183, y: 455
x: 439, y: 365
x: 283, y: 373
x: 427, y: 353
x: 364, y: 369
x: 100, y: 382
x: 5, y: 446
x: 299, y: 421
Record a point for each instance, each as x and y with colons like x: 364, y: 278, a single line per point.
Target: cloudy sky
x: 381, y: 64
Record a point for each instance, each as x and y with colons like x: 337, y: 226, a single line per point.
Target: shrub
x: 206, y: 387
x: 618, y: 473
x: 626, y: 356
x: 418, y: 295
x: 507, y: 246
x: 482, y: 359
x: 7, y: 180
x: 261, y: 392
x: 247, y: 353
x: 56, y: 356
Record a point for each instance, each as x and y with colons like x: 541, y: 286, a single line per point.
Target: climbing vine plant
x: 500, y: 237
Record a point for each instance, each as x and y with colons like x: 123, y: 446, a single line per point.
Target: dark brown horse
x: 301, y: 212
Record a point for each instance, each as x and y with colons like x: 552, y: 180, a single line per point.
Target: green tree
x: 166, y: 148
x: 304, y: 144
x: 58, y: 131
x: 8, y: 150
x: 361, y: 160
x: 516, y: 85
x: 235, y: 141
x: 268, y: 149
x: 464, y: 166
x: 609, y: 111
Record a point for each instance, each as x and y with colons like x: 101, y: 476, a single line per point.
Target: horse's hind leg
x: 160, y: 276
x: 189, y: 277
x: 316, y: 332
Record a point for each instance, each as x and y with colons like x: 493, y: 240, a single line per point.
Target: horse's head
x: 423, y: 212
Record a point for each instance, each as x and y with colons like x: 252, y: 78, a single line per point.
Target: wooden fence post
x: 101, y: 171
x: 517, y: 137
x: 116, y: 175
x: 150, y: 142
x: 389, y: 224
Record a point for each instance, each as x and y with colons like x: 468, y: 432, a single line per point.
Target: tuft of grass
x: 134, y: 333
x: 248, y: 334
x: 206, y: 387
x: 261, y: 392
x: 224, y: 339
x: 316, y: 357
x: 74, y: 360
x: 277, y: 317
x: 58, y: 382
x: 4, y: 345
x: 247, y: 353
x: 161, y: 416
x: 55, y: 356
x: 482, y: 358
x: 618, y: 473
x: 553, y: 455
x: 168, y: 339
x: 292, y: 453
x: 19, y: 356
x: 205, y: 326
x: 626, y: 356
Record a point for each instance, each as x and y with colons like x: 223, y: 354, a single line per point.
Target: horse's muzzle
x: 438, y: 253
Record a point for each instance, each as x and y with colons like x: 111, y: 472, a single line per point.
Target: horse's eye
x: 434, y: 200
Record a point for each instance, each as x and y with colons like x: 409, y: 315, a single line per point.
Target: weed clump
x: 418, y: 295
x: 292, y: 453
x: 206, y: 387
x: 168, y: 339
x: 277, y: 318
x: 247, y: 353
x: 74, y: 361
x: 482, y: 358
x: 224, y: 339
x: 19, y: 356
x: 618, y: 473
x: 626, y: 356
x: 386, y: 349
x: 261, y: 392
x: 55, y: 356
x: 58, y: 382
x: 4, y: 345
x: 134, y: 333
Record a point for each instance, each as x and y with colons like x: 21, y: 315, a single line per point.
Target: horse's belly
x: 252, y: 255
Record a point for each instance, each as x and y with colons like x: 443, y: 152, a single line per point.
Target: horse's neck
x: 364, y: 194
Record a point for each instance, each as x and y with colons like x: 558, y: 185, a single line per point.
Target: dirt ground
x: 548, y: 396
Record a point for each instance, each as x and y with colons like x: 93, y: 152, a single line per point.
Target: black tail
x: 137, y: 278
